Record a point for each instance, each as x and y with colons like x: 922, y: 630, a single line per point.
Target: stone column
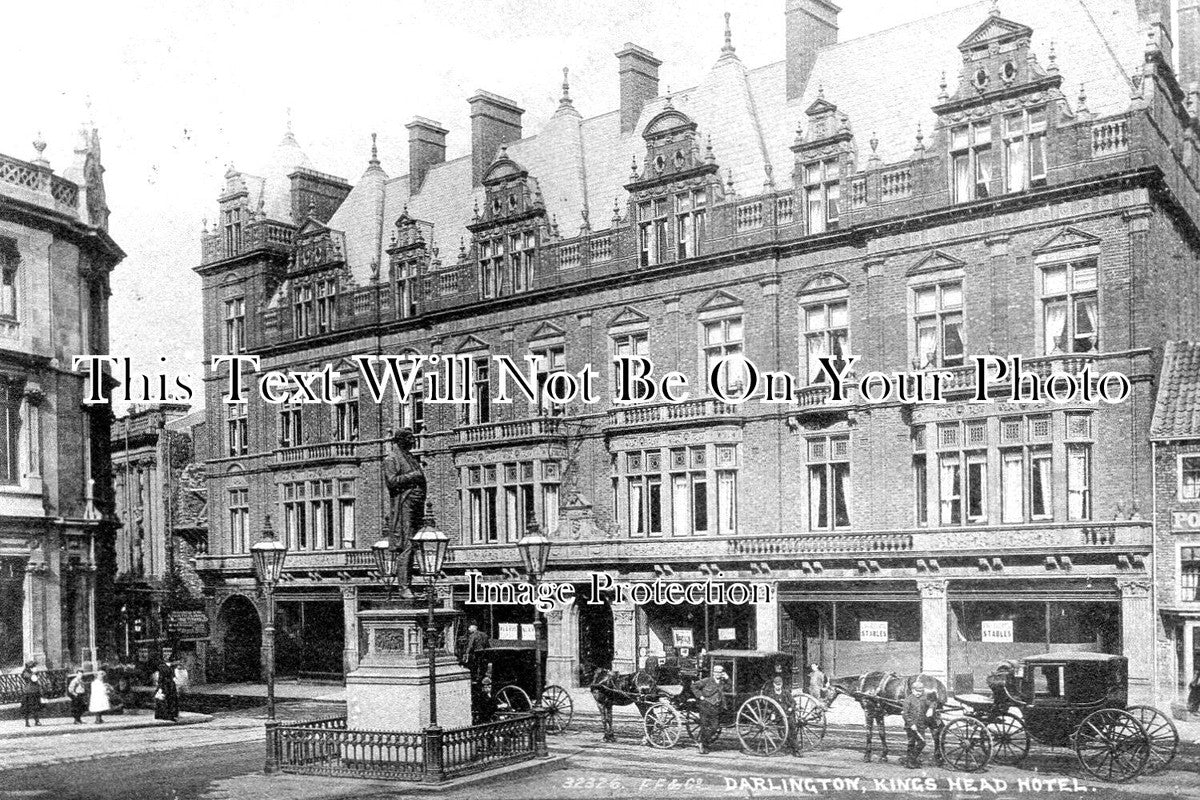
x: 766, y: 623
x: 1137, y: 636
x: 935, y: 643
x: 624, y: 637
x: 561, y: 651
x: 350, y: 624
x: 33, y: 617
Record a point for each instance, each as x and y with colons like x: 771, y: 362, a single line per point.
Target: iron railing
x: 327, y: 747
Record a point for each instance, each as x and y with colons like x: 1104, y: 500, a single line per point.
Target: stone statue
x: 406, y: 490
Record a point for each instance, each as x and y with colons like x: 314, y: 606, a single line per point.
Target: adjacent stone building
x: 1029, y: 192
x: 56, y: 524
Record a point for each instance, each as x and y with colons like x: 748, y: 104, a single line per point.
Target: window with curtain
x: 499, y: 500
x: 938, y: 325
x: 346, y: 512
x: 407, y: 290
x: 1070, y: 308
x: 1189, y: 574
x: 826, y: 333
x: 345, y: 412
x: 971, y: 160
x: 962, y: 472
x: 653, y: 242
x: 235, y: 425
x: 722, y: 339
x: 521, y: 249
x: 1189, y: 477
x: 822, y: 193
x: 829, y: 482
x: 1078, y: 482
x: 635, y: 343
x: 1025, y: 149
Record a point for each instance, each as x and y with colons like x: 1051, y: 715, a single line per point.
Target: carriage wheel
x: 663, y: 725
x: 1010, y: 740
x: 513, y: 698
x: 691, y: 719
x: 809, y: 719
x: 762, y: 726
x: 558, y: 707
x: 965, y: 744
x: 1164, y: 737
x: 1112, y: 745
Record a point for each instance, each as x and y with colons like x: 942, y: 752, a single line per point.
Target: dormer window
x: 822, y: 192
x: 326, y: 305
x: 232, y: 224
x: 407, y: 290
x: 521, y: 248
x: 1025, y: 149
x: 652, y: 232
x: 690, y: 214
x: 491, y: 266
x: 971, y: 160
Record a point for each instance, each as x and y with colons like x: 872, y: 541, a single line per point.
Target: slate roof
x: 1177, y: 408
x: 886, y: 83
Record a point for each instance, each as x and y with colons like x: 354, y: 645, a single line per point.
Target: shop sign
x: 873, y: 631
x: 187, y: 625
x: 527, y: 631
x: 509, y: 630
x: 682, y: 637
x: 1189, y: 520
x: 997, y: 630
x: 727, y: 634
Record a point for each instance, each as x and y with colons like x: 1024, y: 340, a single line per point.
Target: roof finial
x: 668, y: 105
x: 616, y: 219
x: 633, y: 173
x: 943, y: 94
x: 40, y: 146
x: 820, y: 91
x: 920, y: 146
x: 1053, y: 68
x: 728, y: 48
x: 995, y: 9
x: 1082, y: 109
x: 374, y: 162
x: 565, y: 101
x: 709, y: 158
x: 289, y: 120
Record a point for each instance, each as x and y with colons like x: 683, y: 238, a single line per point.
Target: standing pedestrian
x: 817, y: 683
x: 31, y: 694
x: 1193, y: 698
x: 777, y: 691
x: 710, y: 696
x: 98, y: 697
x: 166, y: 695
x: 77, y: 690
x: 918, y: 715
x: 183, y: 678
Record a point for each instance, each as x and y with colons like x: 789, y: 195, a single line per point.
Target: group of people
x: 93, y: 696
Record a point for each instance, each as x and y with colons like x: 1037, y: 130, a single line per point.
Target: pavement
x: 65, y: 726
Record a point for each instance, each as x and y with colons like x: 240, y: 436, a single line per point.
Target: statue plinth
x: 390, y: 689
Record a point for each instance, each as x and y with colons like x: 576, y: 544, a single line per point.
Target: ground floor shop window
x: 12, y: 601
x: 309, y: 638
x: 851, y: 637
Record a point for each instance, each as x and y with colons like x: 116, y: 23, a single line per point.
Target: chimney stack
x: 495, y: 121
x: 639, y: 82
x: 1189, y: 43
x: 1155, y: 15
x: 426, y: 149
x: 811, y: 25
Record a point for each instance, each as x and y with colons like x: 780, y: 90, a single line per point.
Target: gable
x: 935, y: 262
x: 720, y: 300
x: 825, y: 282
x: 629, y: 316
x: 668, y: 120
x: 995, y: 28
x: 1067, y: 239
x: 471, y: 344
x: 547, y: 330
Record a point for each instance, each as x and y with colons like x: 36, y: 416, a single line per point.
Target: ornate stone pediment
x: 1067, y: 239
x: 935, y: 261
x: 317, y: 246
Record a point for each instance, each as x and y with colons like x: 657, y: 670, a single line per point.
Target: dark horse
x: 611, y: 688
x: 881, y: 694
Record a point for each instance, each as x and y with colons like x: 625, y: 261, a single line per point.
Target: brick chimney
x: 495, y: 121
x: 811, y: 25
x: 639, y: 82
x: 426, y: 149
x: 1189, y: 43
x: 1156, y: 15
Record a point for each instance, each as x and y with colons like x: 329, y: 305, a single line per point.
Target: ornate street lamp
x: 387, y: 561
x: 535, y: 552
x: 431, y: 544
x: 269, y: 554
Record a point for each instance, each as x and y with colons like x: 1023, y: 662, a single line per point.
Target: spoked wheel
x: 1010, y: 740
x: 809, y: 719
x: 762, y: 726
x: 1164, y: 738
x: 1112, y: 745
x: 691, y: 719
x: 965, y: 744
x: 558, y: 707
x: 663, y: 725
x: 513, y: 698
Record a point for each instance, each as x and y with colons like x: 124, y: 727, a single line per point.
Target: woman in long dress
x: 98, y: 699
x: 31, y: 694
x: 166, y: 698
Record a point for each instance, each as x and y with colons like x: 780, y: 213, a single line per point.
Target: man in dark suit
x: 477, y: 642
x: 710, y: 694
x: 920, y: 715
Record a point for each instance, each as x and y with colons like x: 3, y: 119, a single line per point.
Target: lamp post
x: 269, y: 554
x: 535, y: 552
x: 430, y: 545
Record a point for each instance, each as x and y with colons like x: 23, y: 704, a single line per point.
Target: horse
x: 610, y: 688
x: 881, y: 694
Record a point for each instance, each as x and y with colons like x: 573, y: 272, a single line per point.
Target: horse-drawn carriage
x: 513, y: 670
x: 763, y: 720
x: 1076, y: 700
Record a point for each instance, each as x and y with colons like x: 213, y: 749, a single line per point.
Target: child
x: 98, y: 700
x: 77, y: 691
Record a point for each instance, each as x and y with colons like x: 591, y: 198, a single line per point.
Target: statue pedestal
x: 390, y: 689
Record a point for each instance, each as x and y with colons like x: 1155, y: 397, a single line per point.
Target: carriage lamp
x: 269, y: 554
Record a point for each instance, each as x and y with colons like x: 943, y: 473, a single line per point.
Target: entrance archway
x: 241, y: 640
x: 595, y: 636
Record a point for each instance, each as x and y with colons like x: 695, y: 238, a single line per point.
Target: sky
x: 181, y: 89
